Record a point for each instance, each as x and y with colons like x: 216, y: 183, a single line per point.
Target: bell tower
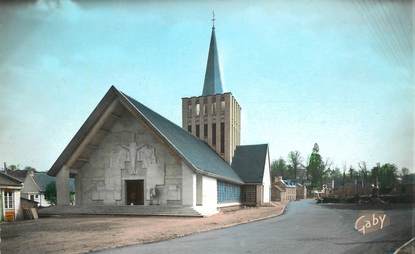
x: 215, y: 116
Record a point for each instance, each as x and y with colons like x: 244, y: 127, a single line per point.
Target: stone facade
x: 291, y: 193
x: 130, y: 151
x: 301, y: 191
x: 203, y: 116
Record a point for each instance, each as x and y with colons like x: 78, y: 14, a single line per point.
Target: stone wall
x: 266, y: 181
x: 130, y: 151
x: 189, y: 186
x: 207, y: 195
x: 207, y: 110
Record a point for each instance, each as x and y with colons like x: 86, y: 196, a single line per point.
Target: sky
x: 337, y: 73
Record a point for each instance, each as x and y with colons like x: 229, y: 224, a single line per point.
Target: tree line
x: 315, y: 172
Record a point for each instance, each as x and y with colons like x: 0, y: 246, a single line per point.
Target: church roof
x: 195, y: 152
x: 249, y: 162
x: 213, y: 82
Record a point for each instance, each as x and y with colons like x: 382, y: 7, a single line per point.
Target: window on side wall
x: 8, y: 199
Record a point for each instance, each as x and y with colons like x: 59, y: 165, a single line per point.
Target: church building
x: 127, y: 155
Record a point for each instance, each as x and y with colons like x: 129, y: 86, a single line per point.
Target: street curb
x: 192, y: 233
x: 403, y: 246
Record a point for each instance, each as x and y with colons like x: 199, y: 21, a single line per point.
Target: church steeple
x: 213, y: 82
x: 215, y: 116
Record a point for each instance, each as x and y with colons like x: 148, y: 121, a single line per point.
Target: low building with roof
x: 283, y: 190
x: 31, y: 190
x: 34, y: 184
x: 10, y: 188
x: 252, y: 164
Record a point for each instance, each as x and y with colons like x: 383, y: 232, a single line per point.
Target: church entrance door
x: 135, y: 192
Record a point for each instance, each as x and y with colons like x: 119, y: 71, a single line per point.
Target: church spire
x: 213, y: 82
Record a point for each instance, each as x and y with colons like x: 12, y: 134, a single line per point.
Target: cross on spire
x: 213, y: 19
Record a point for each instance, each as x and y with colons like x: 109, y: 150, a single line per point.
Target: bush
x: 50, y: 193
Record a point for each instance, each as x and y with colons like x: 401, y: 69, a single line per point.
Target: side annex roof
x: 249, y: 162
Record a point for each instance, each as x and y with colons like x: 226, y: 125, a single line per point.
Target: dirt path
x: 85, y: 233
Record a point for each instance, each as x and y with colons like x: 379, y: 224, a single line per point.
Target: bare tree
x: 295, y: 160
x: 364, y: 172
x: 405, y: 171
x: 14, y: 167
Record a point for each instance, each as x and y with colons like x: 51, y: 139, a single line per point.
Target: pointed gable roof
x: 18, y: 173
x: 7, y: 180
x: 213, y: 82
x: 249, y: 162
x: 195, y: 152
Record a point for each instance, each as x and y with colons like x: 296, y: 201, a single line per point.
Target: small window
x: 8, y: 200
x: 213, y: 108
x: 222, y: 137
x: 214, y: 134
x: 36, y: 196
x: 197, y: 109
x: 197, y: 130
x: 205, y: 109
x: 189, y: 109
x: 222, y: 105
x: 205, y: 131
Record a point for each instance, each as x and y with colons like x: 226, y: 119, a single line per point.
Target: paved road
x: 306, y: 227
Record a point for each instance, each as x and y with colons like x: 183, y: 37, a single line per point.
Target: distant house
x: 301, y: 191
x: 31, y: 190
x: 277, y: 193
x: 283, y: 190
x: 34, y: 185
x: 10, y: 188
x: 252, y: 164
